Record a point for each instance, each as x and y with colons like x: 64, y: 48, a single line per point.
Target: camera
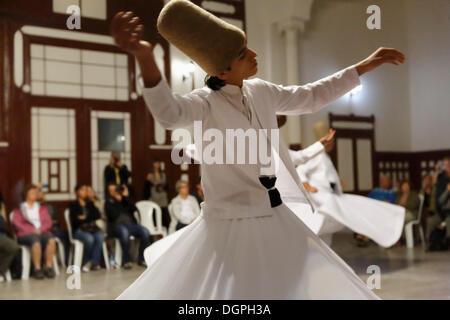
x: 120, y: 189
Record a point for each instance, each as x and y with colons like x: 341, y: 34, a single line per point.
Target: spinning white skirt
x: 272, y: 257
x: 380, y: 221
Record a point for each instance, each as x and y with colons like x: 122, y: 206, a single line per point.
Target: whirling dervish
x: 246, y: 243
x: 380, y: 221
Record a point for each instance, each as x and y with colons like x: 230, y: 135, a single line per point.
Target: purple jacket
x: 22, y: 226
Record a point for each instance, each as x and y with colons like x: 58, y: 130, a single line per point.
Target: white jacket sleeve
x: 172, y: 110
x: 297, y: 100
x: 303, y: 156
x: 177, y: 209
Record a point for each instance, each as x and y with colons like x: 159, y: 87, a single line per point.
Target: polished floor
x: 405, y: 274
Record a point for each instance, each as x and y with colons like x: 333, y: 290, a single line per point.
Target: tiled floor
x: 405, y: 274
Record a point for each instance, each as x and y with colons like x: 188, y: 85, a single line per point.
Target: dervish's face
x: 242, y: 67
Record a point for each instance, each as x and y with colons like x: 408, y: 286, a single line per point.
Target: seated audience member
x: 431, y: 218
x: 92, y: 196
x: 32, y: 223
x: 116, y: 173
x: 63, y: 235
x: 384, y: 192
x: 198, y: 193
x: 158, y: 192
x: 185, y: 207
x: 408, y: 199
x: 122, y: 224
x: 8, y: 247
x: 442, y: 179
x: 444, y: 202
x: 83, y: 215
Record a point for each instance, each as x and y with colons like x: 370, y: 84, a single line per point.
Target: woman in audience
x: 32, y: 224
x: 83, y: 216
x: 56, y: 230
x: 185, y: 207
x: 158, y: 191
x: 408, y: 199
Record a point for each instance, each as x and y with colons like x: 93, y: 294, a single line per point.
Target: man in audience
x: 444, y: 202
x: 409, y: 199
x: 122, y: 224
x: 8, y: 247
x: 83, y: 216
x: 185, y: 207
x: 116, y: 173
x: 32, y: 223
x: 384, y: 192
x: 443, y: 179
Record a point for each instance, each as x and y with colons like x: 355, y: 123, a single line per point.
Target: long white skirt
x: 380, y: 221
x: 274, y: 257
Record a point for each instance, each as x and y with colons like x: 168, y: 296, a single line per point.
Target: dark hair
x: 155, y: 160
x: 79, y: 186
x: 26, y: 189
x: 214, y: 83
x: 402, y: 182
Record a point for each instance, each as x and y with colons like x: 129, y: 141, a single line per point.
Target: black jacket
x: 147, y: 190
x: 113, y: 208
x: 92, y: 214
x: 2, y: 224
x: 110, y: 175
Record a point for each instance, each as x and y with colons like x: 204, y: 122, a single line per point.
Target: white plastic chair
x: 62, y: 255
x: 76, y: 246
x: 409, y: 227
x: 8, y: 276
x: 26, y: 257
x: 147, y: 209
x: 173, y: 220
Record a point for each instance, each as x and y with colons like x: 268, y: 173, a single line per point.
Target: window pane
x: 111, y: 135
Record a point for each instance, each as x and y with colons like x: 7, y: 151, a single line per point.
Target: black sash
x: 274, y: 194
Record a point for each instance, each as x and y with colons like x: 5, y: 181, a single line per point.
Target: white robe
x: 240, y: 247
x: 380, y: 221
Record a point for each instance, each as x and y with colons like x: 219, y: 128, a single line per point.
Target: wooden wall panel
x: 15, y: 113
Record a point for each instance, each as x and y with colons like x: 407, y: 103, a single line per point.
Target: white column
x: 292, y: 29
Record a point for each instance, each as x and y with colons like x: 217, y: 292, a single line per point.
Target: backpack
x: 437, y: 240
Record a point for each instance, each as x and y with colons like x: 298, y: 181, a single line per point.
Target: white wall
x: 429, y: 84
x: 337, y: 36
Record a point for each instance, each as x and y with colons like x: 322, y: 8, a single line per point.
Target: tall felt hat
x: 321, y: 129
x: 211, y: 42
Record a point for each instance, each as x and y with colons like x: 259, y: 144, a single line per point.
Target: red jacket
x: 22, y: 226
